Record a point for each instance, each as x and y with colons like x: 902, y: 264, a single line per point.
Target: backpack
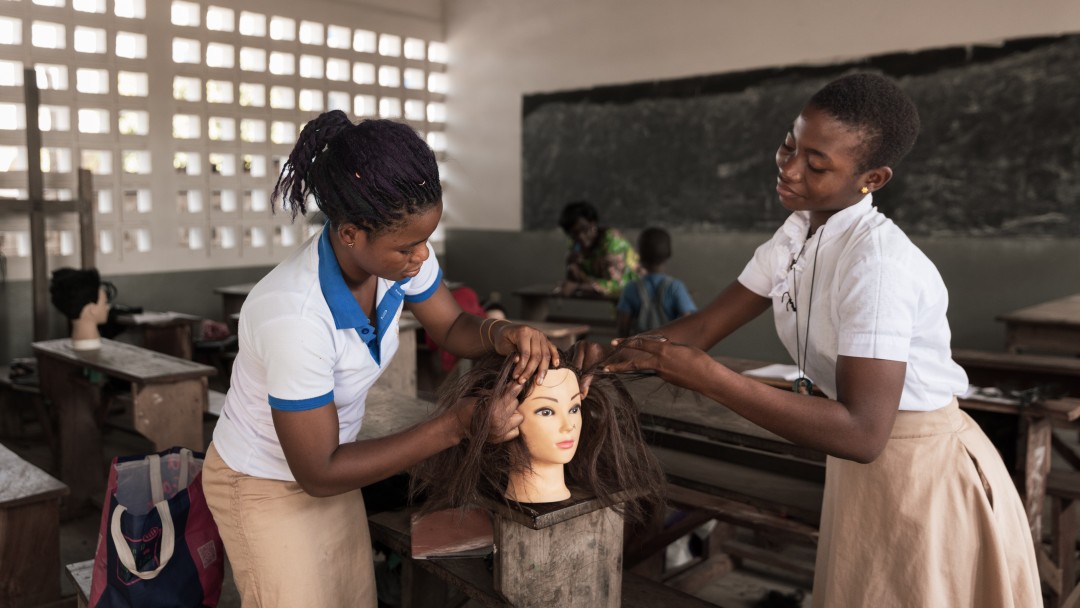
x: 651, y: 314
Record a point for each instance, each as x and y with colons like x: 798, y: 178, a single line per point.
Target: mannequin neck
x: 84, y: 334
x: 542, y: 483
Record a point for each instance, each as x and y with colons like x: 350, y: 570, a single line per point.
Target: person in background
x: 656, y: 298
x: 600, y: 260
x: 919, y: 509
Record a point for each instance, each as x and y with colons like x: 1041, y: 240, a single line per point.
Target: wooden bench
x: 81, y: 575
x: 29, y: 532
x: 424, y: 581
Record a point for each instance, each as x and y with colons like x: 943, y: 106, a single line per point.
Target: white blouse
x: 873, y: 294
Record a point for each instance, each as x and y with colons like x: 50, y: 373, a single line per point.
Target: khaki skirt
x: 288, y: 549
x: 935, y: 521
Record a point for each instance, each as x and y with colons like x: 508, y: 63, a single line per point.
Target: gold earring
x: 864, y: 190
x: 350, y: 244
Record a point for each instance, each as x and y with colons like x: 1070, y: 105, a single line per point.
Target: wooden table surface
x: 126, y: 361
x: 1050, y: 327
x: 22, y: 482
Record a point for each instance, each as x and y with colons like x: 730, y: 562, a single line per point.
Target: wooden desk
x: 1050, y: 327
x: 232, y: 298
x: 535, y: 300
x: 29, y: 532
x: 170, y: 333
x: 168, y: 398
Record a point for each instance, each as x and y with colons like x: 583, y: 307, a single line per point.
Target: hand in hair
x: 533, y: 352
x: 673, y: 362
x: 504, y: 416
x: 588, y: 356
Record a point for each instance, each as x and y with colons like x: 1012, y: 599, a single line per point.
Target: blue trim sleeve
x: 299, y: 405
x: 430, y: 291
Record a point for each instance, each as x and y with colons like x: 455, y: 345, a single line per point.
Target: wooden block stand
x: 562, y: 554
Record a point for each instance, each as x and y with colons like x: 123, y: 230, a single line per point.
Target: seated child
x: 656, y: 298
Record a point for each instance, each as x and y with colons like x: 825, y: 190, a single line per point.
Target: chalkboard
x: 999, y: 151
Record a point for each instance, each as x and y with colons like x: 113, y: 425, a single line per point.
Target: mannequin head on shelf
x: 592, y: 444
x: 84, y: 299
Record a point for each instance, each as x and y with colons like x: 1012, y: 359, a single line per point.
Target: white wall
x: 503, y: 49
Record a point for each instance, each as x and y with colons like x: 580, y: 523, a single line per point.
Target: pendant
x: 803, y: 386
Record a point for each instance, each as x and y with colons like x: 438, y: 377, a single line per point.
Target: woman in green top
x: 600, y: 260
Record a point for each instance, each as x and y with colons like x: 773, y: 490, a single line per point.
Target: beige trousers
x: 287, y: 548
x: 934, y: 522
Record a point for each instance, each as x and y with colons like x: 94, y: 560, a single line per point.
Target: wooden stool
x: 29, y: 532
x: 81, y: 574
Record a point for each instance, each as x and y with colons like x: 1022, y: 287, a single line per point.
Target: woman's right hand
x: 505, y: 418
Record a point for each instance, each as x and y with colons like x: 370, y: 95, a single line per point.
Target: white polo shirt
x: 875, y: 295
x: 304, y: 342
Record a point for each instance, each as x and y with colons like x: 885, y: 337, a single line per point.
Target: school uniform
x: 935, y: 520
x: 304, y: 343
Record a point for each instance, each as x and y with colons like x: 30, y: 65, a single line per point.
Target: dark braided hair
x: 372, y: 174
x: 880, y: 109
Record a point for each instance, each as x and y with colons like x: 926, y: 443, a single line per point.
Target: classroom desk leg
x: 78, y: 407
x: 534, y: 308
x: 575, y: 563
x: 171, y: 414
x: 1037, y: 452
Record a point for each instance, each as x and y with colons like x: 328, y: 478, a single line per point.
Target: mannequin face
x: 552, y: 424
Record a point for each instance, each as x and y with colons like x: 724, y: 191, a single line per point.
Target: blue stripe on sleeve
x: 299, y: 405
x: 420, y: 297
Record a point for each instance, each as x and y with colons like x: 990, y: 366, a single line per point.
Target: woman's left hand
x: 535, y: 353
x: 675, y: 363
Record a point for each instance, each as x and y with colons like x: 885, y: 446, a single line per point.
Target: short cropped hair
x: 575, y: 210
x: 878, y: 107
x: 654, y: 246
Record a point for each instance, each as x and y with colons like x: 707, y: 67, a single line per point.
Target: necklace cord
x: 804, y: 344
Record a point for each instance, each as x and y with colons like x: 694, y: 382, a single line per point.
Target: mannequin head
x: 608, y: 453
x: 550, y: 430
x: 83, y: 298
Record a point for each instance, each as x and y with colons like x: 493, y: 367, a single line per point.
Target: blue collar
x: 344, y: 307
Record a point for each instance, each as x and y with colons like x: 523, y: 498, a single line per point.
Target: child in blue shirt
x: 656, y: 298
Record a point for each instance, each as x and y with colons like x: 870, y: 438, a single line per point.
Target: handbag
x: 158, y: 545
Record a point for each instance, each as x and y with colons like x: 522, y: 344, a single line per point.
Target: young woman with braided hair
x: 283, y: 474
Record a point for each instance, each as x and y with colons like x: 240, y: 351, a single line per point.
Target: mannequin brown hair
x: 611, y: 457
